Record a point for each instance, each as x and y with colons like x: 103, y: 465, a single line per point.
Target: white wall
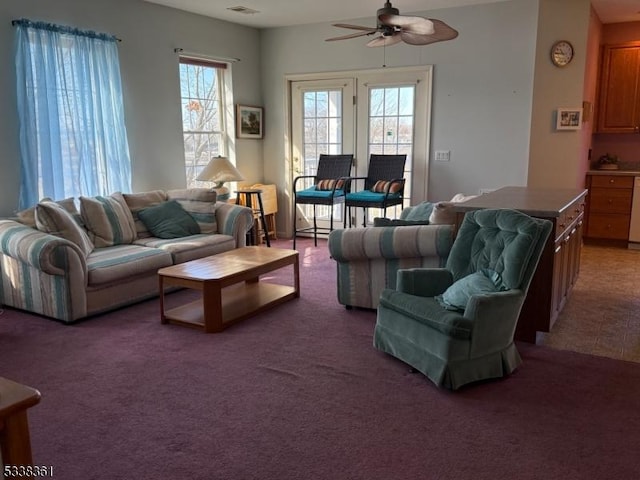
x: 558, y: 156
x: 482, y: 93
x: 149, y: 69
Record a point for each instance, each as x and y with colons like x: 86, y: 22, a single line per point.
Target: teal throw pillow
x: 168, y: 220
x: 422, y: 211
x: 388, y: 222
x: 458, y: 294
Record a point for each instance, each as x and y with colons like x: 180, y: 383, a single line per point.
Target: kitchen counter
x: 632, y: 173
x: 537, y: 202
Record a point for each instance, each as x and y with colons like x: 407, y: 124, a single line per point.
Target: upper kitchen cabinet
x: 619, y: 99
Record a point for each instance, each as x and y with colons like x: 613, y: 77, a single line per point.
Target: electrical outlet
x: 443, y: 155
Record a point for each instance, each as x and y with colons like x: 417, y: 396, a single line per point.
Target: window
x: 203, y: 122
x: 73, y: 139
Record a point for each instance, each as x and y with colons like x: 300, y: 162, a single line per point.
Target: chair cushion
x: 53, y: 218
x: 427, y: 311
x: 328, y: 184
x: 200, y: 203
x: 381, y: 186
x: 459, y: 293
x: 312, y: 192
x: 168, y: 220
x: 369, y: 196
x: 108, y: 220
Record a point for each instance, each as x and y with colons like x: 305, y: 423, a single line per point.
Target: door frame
x: 420, y: 173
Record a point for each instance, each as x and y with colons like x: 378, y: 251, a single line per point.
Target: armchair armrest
x: 495, y: 316
x: 368, y: 243
x: 424, y: 282
x: 47, y: 253
x: 234, y: 220
x: 300, y: 177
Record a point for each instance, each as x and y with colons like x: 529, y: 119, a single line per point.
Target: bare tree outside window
x: 203, y: 125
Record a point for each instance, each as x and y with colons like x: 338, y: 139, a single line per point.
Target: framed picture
x: 249, y: 122
x: 569, y: 119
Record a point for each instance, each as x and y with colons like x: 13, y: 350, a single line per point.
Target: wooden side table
x: 245, y: 197
x: 15, y: 443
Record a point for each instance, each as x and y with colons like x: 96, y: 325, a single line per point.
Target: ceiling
x: 280, y: 13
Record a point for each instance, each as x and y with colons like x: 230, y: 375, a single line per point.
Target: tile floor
x: 602, y: 316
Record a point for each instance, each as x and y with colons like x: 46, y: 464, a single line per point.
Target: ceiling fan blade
x: 351, y: 35
x: 442, y: 33
x: 384, y: 41
x: 354, y: 27
x: 419, y: 25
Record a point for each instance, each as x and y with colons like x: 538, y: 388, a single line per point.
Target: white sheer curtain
x: 73, y: 139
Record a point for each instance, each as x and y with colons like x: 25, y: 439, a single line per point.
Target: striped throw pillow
x: 53, y: 218
x: 200, y: 203
x: 381, y: 186
x: 328, y: 184
x: 108, y: 220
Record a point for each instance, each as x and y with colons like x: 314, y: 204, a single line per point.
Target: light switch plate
x: 443, y: 155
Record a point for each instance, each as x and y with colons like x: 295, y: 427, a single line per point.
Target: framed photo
x: 249, y: 122
x: 569, y: 119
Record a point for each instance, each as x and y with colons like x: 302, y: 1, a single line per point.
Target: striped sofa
x: 64, y: 279
x: 369, y: 258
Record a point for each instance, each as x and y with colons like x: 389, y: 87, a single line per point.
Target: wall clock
x: 561, y: 53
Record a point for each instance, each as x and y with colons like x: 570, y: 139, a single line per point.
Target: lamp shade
x: 220, y: 170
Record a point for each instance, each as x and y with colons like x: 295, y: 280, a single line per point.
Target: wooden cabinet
x: 619, y: 96
x: 609, y: 206
x: 559, y: 265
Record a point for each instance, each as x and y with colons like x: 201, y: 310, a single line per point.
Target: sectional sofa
x: 67, y: 263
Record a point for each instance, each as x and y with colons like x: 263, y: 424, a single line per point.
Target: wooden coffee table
x: 230, y: 285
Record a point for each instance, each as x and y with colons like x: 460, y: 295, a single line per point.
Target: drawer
x: 610, y: 200
x: 608, y: 226
x: 612, y: 181
x: 569, y: 217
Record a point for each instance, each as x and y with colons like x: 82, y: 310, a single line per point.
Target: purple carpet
x: 299, y: 392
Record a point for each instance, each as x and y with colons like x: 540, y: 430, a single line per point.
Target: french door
x: 371, y: 112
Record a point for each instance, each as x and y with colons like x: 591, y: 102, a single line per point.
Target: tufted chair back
x: 501, y: 240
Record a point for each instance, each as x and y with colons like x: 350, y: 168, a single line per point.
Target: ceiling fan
x: 394, y: 28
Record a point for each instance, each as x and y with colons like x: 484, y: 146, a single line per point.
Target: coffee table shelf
x: 230, y: 285
x: 238, y: 303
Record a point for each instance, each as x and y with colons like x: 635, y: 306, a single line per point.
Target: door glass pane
x: 322, y: 119
x: 391, y: 125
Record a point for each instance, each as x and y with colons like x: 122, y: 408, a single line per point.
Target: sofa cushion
x: 422, y: 211
x: 28, y: 215
x: 389, y: 222
x: 138, y: 201
x: 121, y: 262
x: 168, y: 220
x: 51, y: 217
x: 200, y: 203
x: 190, y: 248
x: 108, y: 220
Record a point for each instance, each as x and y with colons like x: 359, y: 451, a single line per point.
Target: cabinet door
x: 619, y: 101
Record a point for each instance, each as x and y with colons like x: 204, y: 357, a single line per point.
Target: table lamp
x: 220, y: 170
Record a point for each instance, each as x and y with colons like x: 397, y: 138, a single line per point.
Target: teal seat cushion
x: 369, y: 196
x: 168, y: 220
x: 315, y: 193
x: 422, y: 211
x: 459, y: 293
x: 427, y: 311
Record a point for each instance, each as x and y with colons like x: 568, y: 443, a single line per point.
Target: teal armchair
x: 456, y: 324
